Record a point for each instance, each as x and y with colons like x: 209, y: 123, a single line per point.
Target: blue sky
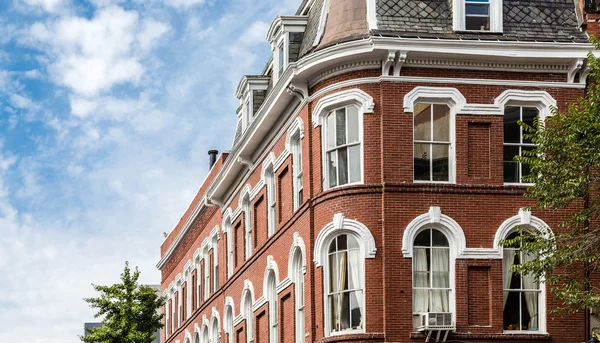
x: 108, y: 108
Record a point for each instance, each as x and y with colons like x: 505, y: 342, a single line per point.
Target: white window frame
x: 227, y: 230
x: 206, y: 272
x: 273, y: 310
x: 366, y: 241
x: 525, y: 219
x: 228, y: 315
x: 452, y: 267
x: 519, y: 145
x: 215, y: 247
x: 247, y: 110
x: 271, y: 201
x: 299, y: 294
x: 459, y: 16
x: 214, y: 330
x: 247, y: 208
x: 451, y: 144
x: 249, y: 316
x: 297, y: 170
x: 540, y: 100
x: 437, y: 96
x: 326, y: 150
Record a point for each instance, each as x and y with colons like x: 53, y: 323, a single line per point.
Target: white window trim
x: 248, y: 313
x: 293, y: 142
x: 525, y: 219
x: 438, y: 96
x: 270, y: 290
x: 496, y: 16
x: 366, y: 241
x: 227, y: 230
x: 215, y: 322
x: 228, y: 317
x: 352, y: 97
x: 215, y: 247
x: 247, y: 209
x: 540, y: 100
x: 206, y: 283
x: 297, y: 270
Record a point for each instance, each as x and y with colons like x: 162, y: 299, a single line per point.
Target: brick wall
x: 386, y: 203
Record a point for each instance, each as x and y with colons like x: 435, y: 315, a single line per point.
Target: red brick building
x: 371, y: 179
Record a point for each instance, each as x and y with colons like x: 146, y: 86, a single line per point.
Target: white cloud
x: 47, y: 5
x: 183, y: 4
x: 90, y: 56
x: 256, y: 34
x: 22, y: 102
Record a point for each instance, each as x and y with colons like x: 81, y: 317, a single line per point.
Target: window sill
x: 325, y: 189
x: 519, y: 184
x: 421, y: 182
x: 351, y: 336
x: 520, y: 335
x: 486, y: 32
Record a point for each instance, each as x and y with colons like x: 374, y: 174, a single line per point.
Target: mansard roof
x: 523, y: 20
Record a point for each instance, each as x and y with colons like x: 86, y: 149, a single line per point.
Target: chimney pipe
x: 213, y: 158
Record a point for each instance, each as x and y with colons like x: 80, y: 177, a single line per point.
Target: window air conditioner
x: 435, y: 321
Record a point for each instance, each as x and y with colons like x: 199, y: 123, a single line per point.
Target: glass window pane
x: 440, y: 162
x: 355, y: 309
x: 332, y: 166
x: 420, y: 300
x: 477, y: 9
x: 512, y: 130
x: 531, y: 319
x: 512, y: 311
x: 529, y: 115
x: 334, y: 310
x: 342, y: 242
x: 352, y: 243
x: 420, y: 279
x: 421, y: 162
x: 354, y: 270
x: 439, y: 239
x: 439, y: 301
x: 440, y: 260
x: 525, y: 168
x: 331, y: 131
x: 511, y: 167
x: 477, y: 23
x: 422, y: 122
x: 440, y: 279
x: 333, y: 246
x: 333, y: 273
x: 352, y: 115
x: 343, y: 166
x: 345, y: 311
x: 354, y: 159
x: 340, y: 127
x: 423, y: 239
x: 441, y: 123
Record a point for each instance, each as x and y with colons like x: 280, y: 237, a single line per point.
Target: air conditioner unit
x: 435, y: 321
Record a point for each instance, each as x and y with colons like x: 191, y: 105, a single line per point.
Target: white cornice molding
x: 298, y: 246
x: 488, y: 65
x: 351, y: 96
x: 286, y: 23
x: 523, y: 219
x: 295, y: 130
x: 434, y: 94
x: 344, y: 68
x: 341, y: 225
x: 271, y: 267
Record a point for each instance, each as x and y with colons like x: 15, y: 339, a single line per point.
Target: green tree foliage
x: 565, y: 170
x: 129, y: 310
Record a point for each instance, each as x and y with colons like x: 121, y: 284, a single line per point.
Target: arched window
x: 299, y: 293
x: 197, y: 338
x: 247, y: 208
x: 271, y: 201
x: 249, y: 316
x: 521, y: 292
x: 273, y: 315
x: 228, y: 231
x: 431, y: 272
x: 215, y: 246
x: 298, y: 186
x: 214, y: 335
x: 205, y: 334
x: 206, y: 273
x: 228, y: 322
x: 345, y: 296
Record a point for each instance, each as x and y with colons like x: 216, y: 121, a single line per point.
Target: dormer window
x: 477, y: 15
x: 285, y: 35
x: 251, y: 91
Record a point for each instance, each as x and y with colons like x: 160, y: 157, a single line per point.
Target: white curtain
x: 355, y: 279
x: 343, y: 273
x: 531, y: 298
x: 420, y: 298
x: 440, y: 267
x: 507, y: 262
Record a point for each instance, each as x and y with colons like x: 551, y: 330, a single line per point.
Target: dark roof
x: 523, y: 20
x: 314, y: 16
